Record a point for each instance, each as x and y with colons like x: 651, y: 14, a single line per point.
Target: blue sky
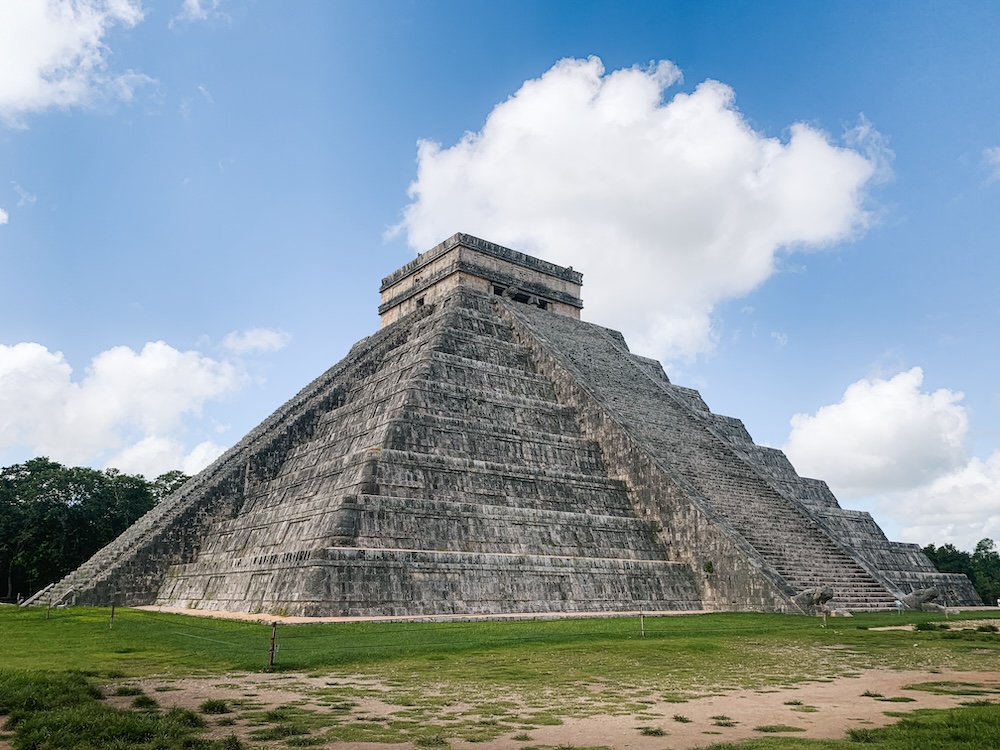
x: 793, y: 205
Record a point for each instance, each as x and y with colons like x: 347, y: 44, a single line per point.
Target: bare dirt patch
x: 820, y: 709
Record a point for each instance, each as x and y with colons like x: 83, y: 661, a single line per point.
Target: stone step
x: 441, y: 477
x: 418, y: 523
x: 411, y: 523
x: 474, y: 439
x: 480, y: 322
x: 476, y: 347
x: 501, y: 408
x: 459, y: 371
x: 690, y: 445
x: 385, y: 582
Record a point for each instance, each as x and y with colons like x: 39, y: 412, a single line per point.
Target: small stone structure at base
x: 488, y: 452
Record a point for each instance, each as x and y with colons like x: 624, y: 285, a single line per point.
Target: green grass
x: 142, y: 643
x: 556, y: 668
x: 215, y: 706
x: 128, y: 690
x: 22, y: 693
x: 967, y: 728
x: 777, y: 728
x: 952, y: 688
x: 723, y: 721
x: 56, y: 711
x: 144, y: 701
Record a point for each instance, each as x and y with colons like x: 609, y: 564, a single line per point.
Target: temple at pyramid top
x: 464, y: 260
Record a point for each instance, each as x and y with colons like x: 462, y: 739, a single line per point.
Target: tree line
x: 982, y: 566
x: 54, y: 517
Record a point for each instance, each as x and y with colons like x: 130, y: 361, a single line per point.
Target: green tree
x: 986, y: 567
x: 167, y: 484
x: 982, y: 566
x: 53, y: 517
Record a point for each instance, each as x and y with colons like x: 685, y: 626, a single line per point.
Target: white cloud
x: 128, y: 402
x: 667, y: 206
x: 53, y: 54
x: 901, y: 451
x: 883, y: 436
x: 256, y: 340
x: 198, y: 10
x: 959, y: 508
x: 4, y: 217
x: 155, y: 455
x: 992, y: 158
x: 24, y: 198
x: 875, y: 146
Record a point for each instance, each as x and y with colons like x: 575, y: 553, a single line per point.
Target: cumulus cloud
x: 53, y: 54
x: 883, y: 436
x: 130, y: 403
x: 668, y: 206
x: 901, y: 451
x: 991, y: 156
x: 256, y: 340
x: 155, y: 455
x: 4, y: 217
x: 959, y: 508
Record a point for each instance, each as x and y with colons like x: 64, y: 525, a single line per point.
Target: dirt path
x: 818, y: 709
x: 839, y: 705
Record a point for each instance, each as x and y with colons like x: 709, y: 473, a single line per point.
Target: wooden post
x: 274, y: 633
x: 111, y: 623
x: 642, y: 626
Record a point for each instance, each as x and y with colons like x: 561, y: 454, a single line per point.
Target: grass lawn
x: 558, y: 668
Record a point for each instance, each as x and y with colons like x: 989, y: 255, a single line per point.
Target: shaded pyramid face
x: 487, y: 452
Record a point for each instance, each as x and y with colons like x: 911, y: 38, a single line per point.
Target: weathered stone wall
x: 131, y: 569
x: 474, y: 466
x: 697, y: 467
x: 381, y: 582
x: 691, y: 534
x: 466, y: 261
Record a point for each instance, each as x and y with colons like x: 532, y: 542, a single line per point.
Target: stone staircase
x: 904, y: 566
x: 451, y: 473
x: 668, y: 423
x: 131, y: 569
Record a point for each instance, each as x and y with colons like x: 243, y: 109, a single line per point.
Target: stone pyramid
x: 487, y: 452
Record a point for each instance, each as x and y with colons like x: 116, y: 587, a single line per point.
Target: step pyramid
x: 488, y: 452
